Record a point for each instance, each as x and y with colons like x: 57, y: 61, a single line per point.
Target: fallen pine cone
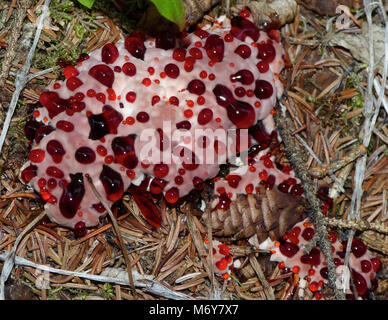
x: 266, y: 213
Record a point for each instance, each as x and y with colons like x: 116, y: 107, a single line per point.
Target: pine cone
x: 266, y: 213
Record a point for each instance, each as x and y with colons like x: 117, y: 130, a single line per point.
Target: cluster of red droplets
x: 225, y: 77
x: 311, y: 266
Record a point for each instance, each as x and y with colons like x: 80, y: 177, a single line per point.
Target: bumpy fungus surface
x: 311, y: 267
x: 94, y: 122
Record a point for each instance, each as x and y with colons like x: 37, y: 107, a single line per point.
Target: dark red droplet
x: 161, y: 170
x: 223, y: 202
x: 104, y: 123
x: 135, y: 47
x: 360, y: 283
x: 157, y: 185
x: 196, y: 86
x: 376, y: 263
x: 73, y: 83
x: 296, y: 190
x: 30, y: 128
x: 308, y: 233
x: 233, y: 180
x: 243, y: 76
x: 243, y: 51
x: 263, y: 89
x: 80, y: 229
x: 358, y: 248
x: 185, y: 124
x: 53, y: 103
x: 171, y: 70
x: 85, y: 155
x: 288, y: 249
x: 205, y: 116
x: 112, y: 182
x: 200, y: 33
x: 189, y: 160
x: 241, y: 114
x: 42, y: 132
x: 324, y: 272
x: 366, y: 266
x: 29, y: 172
x: 223, y: 95
x: 198, y: 183
x: 179, y: 54
x: 241, y: 28
x: 215, y: 48
x: 109, y: 53
x: 142, y: 117
x: 313, y: 258
x: 124, y: 151
x: 165, y: 40
x: 172, y: 195
x: 56, y: 150
x: 266, y: 52
x: 55, y: 172
x: 129, y: 69
x: 65, y: 126
x: 72, y: 196
x: 103, y: 74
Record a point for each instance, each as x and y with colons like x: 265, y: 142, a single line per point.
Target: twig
x: 120, y: 238
x: 9, y: 259
x: 285, y: 126
x: 141, y: 281
x: 356, y: 225
x: 22, y: 76
x: 369, y: 122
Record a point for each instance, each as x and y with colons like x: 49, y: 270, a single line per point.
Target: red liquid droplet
x: 80, y: 229
x: 266, y: 52
x: 196, y: 87
x: 72, y: 196
x: 184, y: 125
x: 73, y: 83
x: 104, y: 123
x: 360, y: 283
x: 241, y: 28
x: 241, y: 114
x: 53, y: 103
x: 30, y: 128
x: 112, y: 182
x: 29, y: 172
x: 233, y: 180
x: 288, y: 249
x: 103, y: 74
x: 65, y: 126
x: 124, y: 151
x: 172, y: 195
x: 243, y: 51
x: 171, y: 70
x: 179, y: 54
x: 85, y: 155
x: 243, y: 76
x: 55, y: 172
x: 215, y: 48
x: 263, y: 89
x: 308, y: 233
x: 109, y: 53
x: 358, y: 248
x: 223, y: 95
x: 56, y: 150
x: 135, y: 47
x: 129, y: 69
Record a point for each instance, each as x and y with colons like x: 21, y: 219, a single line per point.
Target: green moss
x: 62, y: 14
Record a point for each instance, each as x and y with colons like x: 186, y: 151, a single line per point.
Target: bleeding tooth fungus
x: 224, y: 77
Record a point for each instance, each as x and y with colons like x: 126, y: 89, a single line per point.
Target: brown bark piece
x: 266, y: 213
